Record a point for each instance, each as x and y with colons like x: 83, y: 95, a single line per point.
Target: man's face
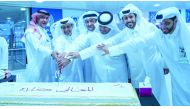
x: 67, y: 29
x: 129, y: 20
x: 89, y: 22
x: 168, y: 26
x: 104, y: 29
x: 43, y: 20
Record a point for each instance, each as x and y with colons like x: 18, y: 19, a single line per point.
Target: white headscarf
x: 105, y: 17
x: 184, y: 31
x: 129, y: 9
x: 58, y: 31
x: 52, y: 29
x: 81, y: 24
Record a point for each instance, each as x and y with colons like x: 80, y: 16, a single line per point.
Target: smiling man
x: 134, y: 21
x: 146, y: 65
x: 173, y: 40
x: 67, y: 30
x: 38, y: 49
x: 106, y: 69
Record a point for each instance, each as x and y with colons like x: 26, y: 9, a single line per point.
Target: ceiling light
x: 8, y: 18
x: 156, y: 5
x: 23, y: 9
x: 39, y: 1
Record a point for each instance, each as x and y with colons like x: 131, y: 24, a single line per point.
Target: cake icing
x: 78, y: 94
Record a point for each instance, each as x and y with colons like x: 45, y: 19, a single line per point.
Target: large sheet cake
x: 64, y: 94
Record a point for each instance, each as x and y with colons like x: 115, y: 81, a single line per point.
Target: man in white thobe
x: 107, y: 68
x: 86, y: 25
x: 38, y: 49
x: 142, y: 62
x: 173, y: 42
x: 67, y: 33
x: 134, y: 22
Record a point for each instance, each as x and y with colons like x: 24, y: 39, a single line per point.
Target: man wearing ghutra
x: 145, y: 65
x: 38, y: 49
x: 67, y: 33
x: 106, y: 69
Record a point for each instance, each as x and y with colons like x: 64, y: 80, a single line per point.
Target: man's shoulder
x: 60, y: 38
x: 121, y: 33
x: 31, y: 28
x: 31, y: 31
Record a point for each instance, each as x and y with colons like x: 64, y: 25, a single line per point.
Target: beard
x: 43, y: 25
x: 131, y: 25
x: 91, y: 28
x: 69, y: 33
x: 168, y: 30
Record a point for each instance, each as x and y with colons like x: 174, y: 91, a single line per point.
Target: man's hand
x: 73, y: 55
x: 55, y: 54
x: 62, y: 62
x: 103, y: 48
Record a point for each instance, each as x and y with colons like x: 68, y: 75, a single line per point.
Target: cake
x: 65, y: 94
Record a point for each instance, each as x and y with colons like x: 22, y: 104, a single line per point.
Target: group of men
x: 100, y: 52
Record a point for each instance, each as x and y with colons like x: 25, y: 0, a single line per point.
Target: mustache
x: 130, y: 22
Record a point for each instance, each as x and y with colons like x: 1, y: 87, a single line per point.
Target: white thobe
x: 73, y: 72
x: 106, y: 68
x: 137, y: 72
x: 172, y: 49
x: 174, y: 53
x: 151, y: 63
x: 38, y: 50
x: 81, y: 43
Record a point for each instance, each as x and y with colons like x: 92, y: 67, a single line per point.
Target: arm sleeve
x: 114, y: 40
x: 131, y: 44
x: 78, y: 44
x: 89, y: 52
